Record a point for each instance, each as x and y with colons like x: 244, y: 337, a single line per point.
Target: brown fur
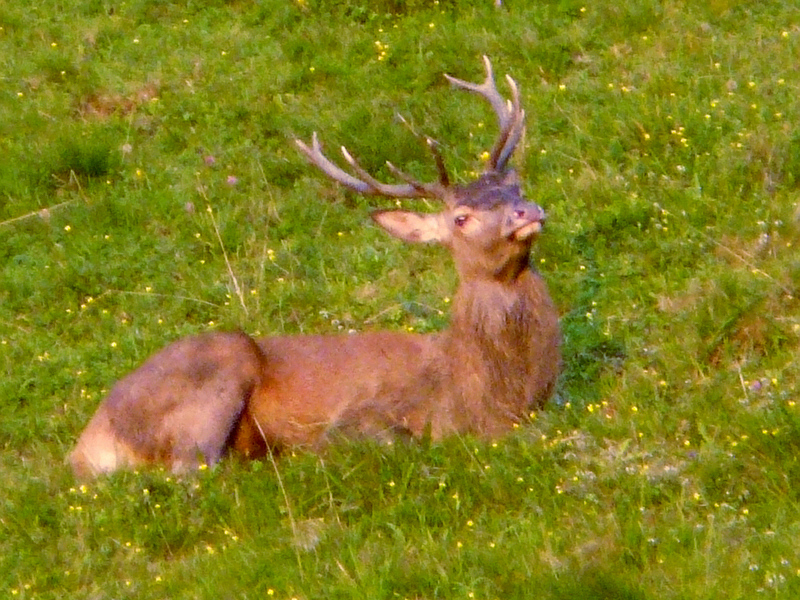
x: 203, y: 396
x: 193, y: 401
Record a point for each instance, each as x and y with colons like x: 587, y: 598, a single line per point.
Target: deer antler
x: 509, y: 114
x: 512, y: 123
x: 366, y: 184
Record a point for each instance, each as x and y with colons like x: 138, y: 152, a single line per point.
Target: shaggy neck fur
x: 502, y: 341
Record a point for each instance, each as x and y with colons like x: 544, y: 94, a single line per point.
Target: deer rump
x: 206, y: 395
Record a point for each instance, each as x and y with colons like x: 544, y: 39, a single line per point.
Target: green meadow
x: 150, y: 189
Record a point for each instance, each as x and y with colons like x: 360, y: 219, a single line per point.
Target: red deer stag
x: 204, y: 396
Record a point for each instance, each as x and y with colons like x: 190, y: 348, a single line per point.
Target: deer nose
x: 530, y: 212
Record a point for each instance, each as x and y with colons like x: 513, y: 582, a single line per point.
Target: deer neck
x: 500, y: 336
x: 491, y: 310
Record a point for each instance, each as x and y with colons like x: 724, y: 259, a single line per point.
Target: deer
x: 206, y: 396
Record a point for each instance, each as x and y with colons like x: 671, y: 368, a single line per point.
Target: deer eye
x: 460, y: 220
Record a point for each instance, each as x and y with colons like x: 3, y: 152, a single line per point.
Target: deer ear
x: 413, y: 227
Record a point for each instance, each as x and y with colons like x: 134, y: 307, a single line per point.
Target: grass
x: 149, y: 189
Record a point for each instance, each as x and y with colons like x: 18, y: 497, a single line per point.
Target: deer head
x: 487, y: 224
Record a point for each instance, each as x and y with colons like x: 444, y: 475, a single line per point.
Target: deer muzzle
x: 525, y: 220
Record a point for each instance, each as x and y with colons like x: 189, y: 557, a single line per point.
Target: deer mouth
x: 526, y: 221
x: 527, y: 231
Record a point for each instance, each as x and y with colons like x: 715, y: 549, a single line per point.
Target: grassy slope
x: 146, y: 147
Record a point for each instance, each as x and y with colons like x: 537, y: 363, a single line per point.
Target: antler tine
x: 510, y: 136
x: 364, y: 174
x: 367, y: 184
x: 319, y: 160
x: 510, y: 116
x: 433, y: 147
x: 488, y: 90
x: 427, y: 190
